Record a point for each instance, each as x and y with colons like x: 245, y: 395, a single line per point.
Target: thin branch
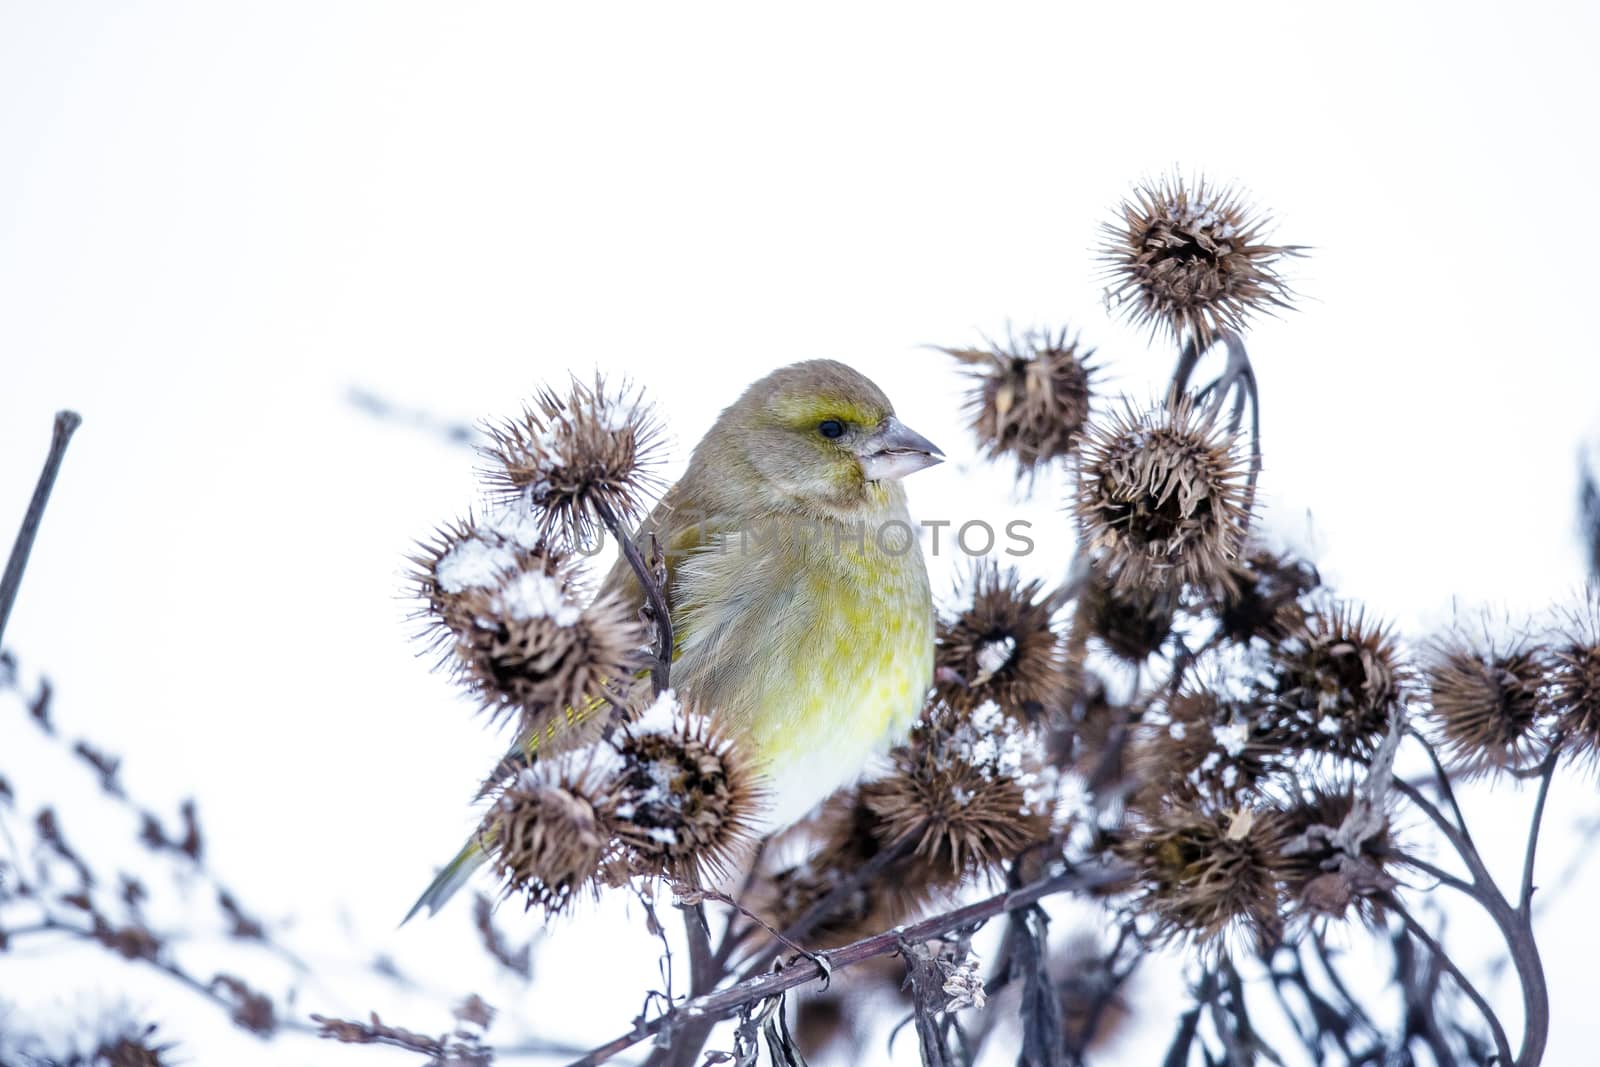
x: 66, y: 422
x: 1546, y: 773
x: 1501, y: 1043
x: 654, y: 595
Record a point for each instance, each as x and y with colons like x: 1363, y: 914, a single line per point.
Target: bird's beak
x: 895, y: 451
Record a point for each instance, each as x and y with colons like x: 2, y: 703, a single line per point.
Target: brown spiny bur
x: 1029, y: 400
x: 1322, y: 879
x: 578, y: 457
x: 1132, y: 624
x: 1486, y: 709
x: 532, y: 655
x: 1204, y: 874
x: 549, y: 834
x: 131, y: 1049
x: 1206, y: 745
x: 687, y: 795
x: 962, y: 792
x: 1260, y: 596
x: 1190, y: 260
x: 1002, y: 647
x: 1161, y: 496
x: 468, y: 557
x: 1575, y: 680
x: 1335, y: 681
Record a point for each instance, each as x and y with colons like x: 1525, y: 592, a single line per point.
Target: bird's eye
x: 831, y: 428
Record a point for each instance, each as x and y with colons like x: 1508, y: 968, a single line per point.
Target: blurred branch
x: 66, y: 423
x: 370, y: 403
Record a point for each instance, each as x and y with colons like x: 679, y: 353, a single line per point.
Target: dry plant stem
x: 726, y: 1002
x: 655, y: 597
x: 704, y: 975
x: 1546, y: 773
x: 66, y: 422
x: 1501, y: 1043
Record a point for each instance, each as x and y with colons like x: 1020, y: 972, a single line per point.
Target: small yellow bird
x: 799, y: 597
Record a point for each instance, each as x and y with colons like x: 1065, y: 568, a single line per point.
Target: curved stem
x: 11, y: 581
x: 1501, y: 1043
x: 654, y: 595
x: 1546, y: 773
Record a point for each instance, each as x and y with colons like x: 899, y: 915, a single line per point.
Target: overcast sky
x: 216, y: 220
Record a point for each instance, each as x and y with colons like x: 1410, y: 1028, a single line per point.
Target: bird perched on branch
x: 797, y: 591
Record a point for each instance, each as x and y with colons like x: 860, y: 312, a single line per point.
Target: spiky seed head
x: 1132, y: 624
x: 549, y: 834
x: 533, y: 656
x: 1202, y: 744
x: 1487, y: 708
x: 1575, y: 681
x: 1189, y: 259
x: 466, y: 557
x: 131, y: 1046
x: 688, y: 794
x: 963, y: 791
x: 1030, y: 399
x: 1161, y: 496
x: 577, y: 456
x: 1206, y: 874
x: 1321, y: 879
x: 1335, y: 681
x: 1260, y: 597
x: 1002, y: 647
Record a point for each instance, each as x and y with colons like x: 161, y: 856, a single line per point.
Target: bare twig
x: 66, y: 422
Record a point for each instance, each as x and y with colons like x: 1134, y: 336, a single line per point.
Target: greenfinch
x: 796, y: 585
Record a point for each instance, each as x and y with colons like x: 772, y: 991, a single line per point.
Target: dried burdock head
x: 1335, y: 681
x: 466, y: 558
x: 549, y: 833
x: 531, y: 655
x: 1486, y: 708
x: 1261, y: 596
x: 1161, y: 496
x: 1204, y: 744
x: 688, y: 794
x: 1029, y: 400
x: 1132, y: 624
x: 1575, y: 681
x: 1323, y: 879
x: 963, y: 792
x: 131, y: 1047
x: 847, y: 837
x: 578, y: 457
x: 1001, y: 647
x: 1190, y: 260
x: 1204, y: 875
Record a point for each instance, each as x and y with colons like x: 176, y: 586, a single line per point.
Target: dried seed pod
x: 1487, y: 708
x: 688, y: 795
x: 1002, y: 647
x: 1575, y: 680
x: 1132, y: 624
x: 1206, y: 745
x: 1029, y: 400
x: 549, y: 833
x: 1261, y: 596
x: 1320, y: 878
x: 963, y: 791
x: 1161, y: 496
x: 466, y: 558
x: 1203, y: 875
x: 1335, y: 682
x: 578, y: 457
x: 1190, y: 260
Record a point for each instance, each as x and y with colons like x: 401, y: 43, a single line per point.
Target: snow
x: 536, y: 595
x: 474, y: 564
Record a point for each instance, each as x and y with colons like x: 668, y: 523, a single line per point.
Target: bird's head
x: 824, y: 437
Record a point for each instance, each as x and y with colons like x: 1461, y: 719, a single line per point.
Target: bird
x: 797, y: 589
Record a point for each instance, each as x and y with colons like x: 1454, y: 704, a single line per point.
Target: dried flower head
x: 579, y: 457
x: 1206, y: 874
x: 472, y: 555
x: 1208, y: 745
x: 1029, y: 400
x: 688, y: 795
x: 1575, y: 681
x: 1487, y: 708
x: 531, y: 654
x: 1001, y: 647
x: 1323, y: 879
x: 1335, y: 682
x: 1190, y: 260
x: 548, y: 833
x: 963, y: 791
x: 1261, y: 596
x: 1132, y: 624
x: 1161, y: 495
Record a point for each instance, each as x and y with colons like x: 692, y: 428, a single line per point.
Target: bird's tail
x: 451, y: 878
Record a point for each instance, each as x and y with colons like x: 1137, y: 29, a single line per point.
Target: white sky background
x: 217, y: 219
